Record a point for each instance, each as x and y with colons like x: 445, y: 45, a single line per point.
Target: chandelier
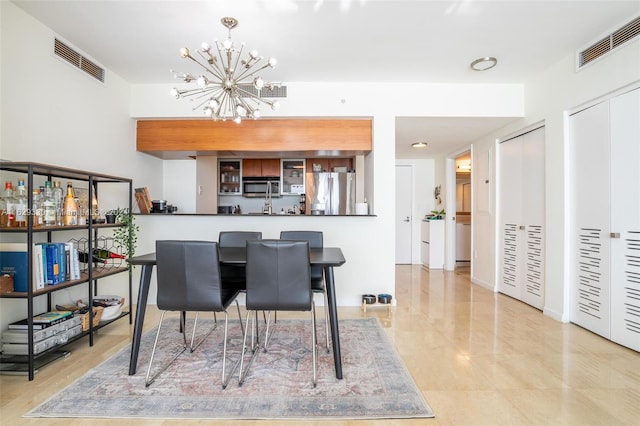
x: 229, y: 87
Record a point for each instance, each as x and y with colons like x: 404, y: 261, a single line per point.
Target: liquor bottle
x: 48, y: 205
x: 58, y: 198
x: 21, y: 203
x: 8, y: 205
x: 70, y: 208
x: 107, y: 254
x: 36, y: 208
x: 84, y: 258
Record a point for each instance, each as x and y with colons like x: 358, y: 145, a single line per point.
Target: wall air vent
x: 277, y: 92
x: 78, y: 60
x: 610, y: 42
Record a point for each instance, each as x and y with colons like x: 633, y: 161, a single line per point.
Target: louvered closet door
x: 625, y: 219
x: 521, y: 213
x: 510, y: 213
x: 533, y: 217
x: 590, y: 295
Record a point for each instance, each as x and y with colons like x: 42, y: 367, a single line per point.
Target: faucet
x: 267, y: 209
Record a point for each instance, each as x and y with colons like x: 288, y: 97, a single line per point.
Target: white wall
x: 55, y: 114
x: 548, y: 96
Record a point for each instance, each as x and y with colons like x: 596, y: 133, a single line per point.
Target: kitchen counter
x: 252, y: 215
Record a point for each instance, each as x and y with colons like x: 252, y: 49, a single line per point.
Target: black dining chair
x: 188, y: 276
x: 234, y: 276
x: 278, y: 279
x: 315, y: 239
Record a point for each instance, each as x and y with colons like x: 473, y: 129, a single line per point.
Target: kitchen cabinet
x: 90, y: 236
x: 432, y: 243
x: 293, y: 177
x: 229, y: 182
x: 260, y: 167
x: 328, y: 164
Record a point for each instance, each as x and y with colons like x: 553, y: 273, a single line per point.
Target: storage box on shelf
x: 102, y: 259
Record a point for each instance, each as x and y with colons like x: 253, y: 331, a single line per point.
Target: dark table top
x: 327, y: 256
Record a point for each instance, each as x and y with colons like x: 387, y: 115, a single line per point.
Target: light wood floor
x: 480, y: 359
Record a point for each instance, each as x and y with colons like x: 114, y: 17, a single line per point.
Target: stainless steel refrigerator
x: 331, y: 193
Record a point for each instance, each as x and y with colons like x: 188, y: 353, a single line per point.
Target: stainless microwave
x: 254, y: 187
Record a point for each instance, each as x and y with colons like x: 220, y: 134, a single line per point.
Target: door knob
x: 615, y: 235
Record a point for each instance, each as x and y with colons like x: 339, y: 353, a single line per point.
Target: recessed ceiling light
x: 484, y: 64
x: 419, y: 144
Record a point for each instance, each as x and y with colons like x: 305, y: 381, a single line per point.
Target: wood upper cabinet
x: 268, y: 138
x: 328, y: 164
x: 252, y: 167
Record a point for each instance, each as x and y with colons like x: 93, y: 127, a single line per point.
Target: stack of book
x: 50, y: 329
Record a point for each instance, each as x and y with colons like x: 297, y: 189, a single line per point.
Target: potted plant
x: 126, y: 236
x: 111, y: 216
x: 437, y: 214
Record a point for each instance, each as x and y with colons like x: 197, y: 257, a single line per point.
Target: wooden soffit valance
x: 255, y: 138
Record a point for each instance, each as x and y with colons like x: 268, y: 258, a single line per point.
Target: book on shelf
x: 143, y: 198
x: 53, y: 317
x: 13, y: 261
x: 42, y: 321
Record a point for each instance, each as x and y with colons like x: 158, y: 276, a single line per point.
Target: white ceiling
x: 347, y: 40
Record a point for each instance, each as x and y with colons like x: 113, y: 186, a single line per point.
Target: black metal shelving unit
x: 90, y: 276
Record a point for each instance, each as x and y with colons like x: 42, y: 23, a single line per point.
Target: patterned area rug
x: 376, y: 383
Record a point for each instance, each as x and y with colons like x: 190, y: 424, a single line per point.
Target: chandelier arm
x: 213, y: 67
x: 246, y: 73
x: 201, y: 64
x: 238, y: 55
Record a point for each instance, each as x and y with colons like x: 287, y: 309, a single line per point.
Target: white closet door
x: 625, y: 219
x: 533, y: 217
x: 590, y: 301
x: 510, y: 214
x: 521, y: 213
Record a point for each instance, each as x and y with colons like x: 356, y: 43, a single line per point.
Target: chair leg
x: 147, y: 381
x: 326, y: 319
x: 243, y: 375
x: 193, y: 347
x: 314, y: 343
x: 239, y: 317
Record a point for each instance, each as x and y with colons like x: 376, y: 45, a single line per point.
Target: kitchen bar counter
x: 253, y: 215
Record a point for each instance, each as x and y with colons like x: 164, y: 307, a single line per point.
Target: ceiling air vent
x: 77, y: 60
x: 610, y: 42
x: 277, y: 92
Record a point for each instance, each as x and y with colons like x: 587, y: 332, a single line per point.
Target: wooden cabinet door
x: 251, y: 167
x: 271, y: 167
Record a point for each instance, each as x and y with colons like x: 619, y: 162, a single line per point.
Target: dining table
x: 326, y: 257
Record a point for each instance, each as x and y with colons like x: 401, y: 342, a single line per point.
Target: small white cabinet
x: 432, y: 243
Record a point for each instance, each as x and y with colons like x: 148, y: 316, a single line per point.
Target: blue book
x: 13, y: 261
x: 51, y: 268
x: 62, y: 261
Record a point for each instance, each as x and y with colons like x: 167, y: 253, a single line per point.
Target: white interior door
x: 590, y: 292
x: 404, y: 189
x: 510, y: 214
x: 625, y: 219
x: 533, y: 194
x: 521, y: 217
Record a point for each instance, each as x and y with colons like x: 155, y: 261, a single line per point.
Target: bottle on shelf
x: 107, y: 254
x: 83, y: 257
x: 8, y: 213
x: 70, y: 207
x: 48, y: 205
x: 36, y: 208
x: 21, y: 203
x: 58, y: 198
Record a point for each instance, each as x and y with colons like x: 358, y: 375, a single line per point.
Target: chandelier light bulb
x: 258, y: 83
x: 275, y: 105
x: 273, y: 62
x: 174, y: 92
x: 202, y: 81
x: 206, y: 47
x: 227, y: 44
x: 184, y: 52
x: 237, y: 120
